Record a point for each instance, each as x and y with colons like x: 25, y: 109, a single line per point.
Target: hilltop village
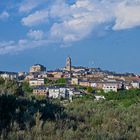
x: 69, y: 103
x: 72, y: 80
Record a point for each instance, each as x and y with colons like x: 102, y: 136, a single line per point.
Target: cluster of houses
x: 82, y: 76
x: 9, y: 75
x: 56, y: 92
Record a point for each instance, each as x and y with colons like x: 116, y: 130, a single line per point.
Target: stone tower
x: 68, y: 64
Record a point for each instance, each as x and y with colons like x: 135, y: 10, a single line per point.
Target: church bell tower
x: 68, y: 64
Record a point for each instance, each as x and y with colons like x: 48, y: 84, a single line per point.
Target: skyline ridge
x: 78, y: 66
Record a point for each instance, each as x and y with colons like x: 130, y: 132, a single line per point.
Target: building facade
x: 37, y: 68
x: 41, y: 90
x: 111, y: 86
x: 36, y: 82
x: 9, y: 75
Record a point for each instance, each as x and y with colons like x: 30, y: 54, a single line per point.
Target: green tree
x: 90, y: 90
x: 10, y: 87
x: 61, y: 81
x: 47, y: 81
x: 26, y: 87
x: 1, y: 81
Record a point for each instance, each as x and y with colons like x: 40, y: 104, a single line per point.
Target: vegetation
x: 10, y: 87
x: 59, y: 82
x: 48, y: 82
x: 90, y: 90
x: 1, y: 81
x: 117, y: 117
x: 26, y: 87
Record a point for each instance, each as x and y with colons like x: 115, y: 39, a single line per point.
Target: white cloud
x: 4, y: 15
x: 36, y: 34
x: 127, y: 15
x: 69, y: 23
x: 29, y: 5
x: 80, y: 19
x: 36, y: 18
x: 11, y: 47
x: 87, y: 14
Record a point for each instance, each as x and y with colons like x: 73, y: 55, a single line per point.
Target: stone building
x: 68, y: 64
x: 74, y: 81
x: 41, y: 90
x: 37, y: 68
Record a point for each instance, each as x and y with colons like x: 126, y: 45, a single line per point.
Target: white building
x: 9, y: 75
x: 97, y: 98
x: 36, y: 82
x: 107, y: 87
x: 93, y: 85
x: 55, y: 92
x: 135, y: 84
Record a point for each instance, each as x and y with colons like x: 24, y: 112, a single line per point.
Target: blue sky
x: 95, y: 33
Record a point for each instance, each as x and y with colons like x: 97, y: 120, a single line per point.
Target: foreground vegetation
x: 24, y: 118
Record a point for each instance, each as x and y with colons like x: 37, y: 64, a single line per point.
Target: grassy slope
x: 117, y: 117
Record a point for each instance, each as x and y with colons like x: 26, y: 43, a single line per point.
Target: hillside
x: 117, y: 117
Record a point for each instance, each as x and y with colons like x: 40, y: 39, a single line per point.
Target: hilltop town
x: 73, y: 80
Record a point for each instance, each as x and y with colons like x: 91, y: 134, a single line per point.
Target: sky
x: 94, y: 33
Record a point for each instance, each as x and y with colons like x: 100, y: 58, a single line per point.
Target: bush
x: 90, y: 90
x: 117, y: 117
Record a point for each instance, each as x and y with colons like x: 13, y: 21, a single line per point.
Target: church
x: 71, y: 68
x: 68, y: 64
